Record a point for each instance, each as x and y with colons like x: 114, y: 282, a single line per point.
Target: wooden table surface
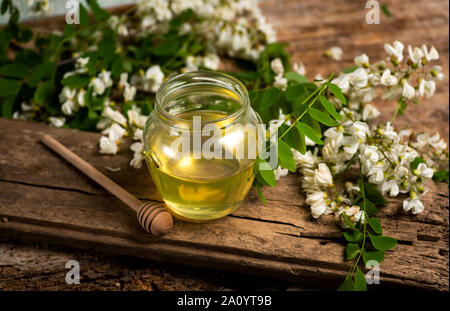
x: 311, y: 27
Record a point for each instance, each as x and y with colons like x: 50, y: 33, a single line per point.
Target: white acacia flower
x: 415, y: 55
x: 376, y: 174
x: 322, y: 176
x: 129, y: 92
x: 335, y: 53
x: 408, y: 91
x: 423, y: 171
x: 154, y: 77
x: 114, y: 115
x: 122, y: 30
x: 211, y: 61
x: 395, y: 50
x: 114, y: 132
x: 105, y: 76
x: 361, y: 60
x: 388, y: 79
x: 414, y: 205
x: 123, y: 79
x: 359, y: 216
x: 81, y: 62
x: 98, y: 85
x: 430, y: 55
x: 370, y: 112
x: 306, y: 160
x: 107, y: 146
x: 426, y: 88
x: 299, y: 68
x: 138, y: 134
x: 138, y: 157
x: 390, y: 186
x: 365, y: 95
x: 57, y: 121
x: 135, y: 117
x: 359, y: 78
x: 436, y: 72
x: 280, y: 82
x: 80, y: 97
x: 103, y: 123
x: 392, y: 92
x: 318, y: 203
x: 277, y: 66
x: 280, y: 172
x: 343, y: 81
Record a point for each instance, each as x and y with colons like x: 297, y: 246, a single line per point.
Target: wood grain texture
x: 44, y: 198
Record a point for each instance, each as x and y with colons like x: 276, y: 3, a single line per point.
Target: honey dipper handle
x: 93, y: 173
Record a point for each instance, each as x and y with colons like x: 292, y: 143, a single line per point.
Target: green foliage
x: 9, y: 87
x: 441, y: 176
x: 365, y: 236
x: 385, y: 10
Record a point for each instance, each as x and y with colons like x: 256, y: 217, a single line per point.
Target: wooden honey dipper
x: 153, y: 217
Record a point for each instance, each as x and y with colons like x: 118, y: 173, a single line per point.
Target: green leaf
x: 370, y: 207
x: 347, y: 285
x: 69, y: 30
x: 330, y: 108
x: 84, y: 16
x: 378, y: 256
x: 350, y: 69
x: 5, y: 6
x: 441, y: 176
x: 76, y: 81
x: 353, y: 236
x: 15, y: 70
x: 117, y: 66
x: 375, y: 224
x: 373, y: 195
x: 360, y: 281
x: 381, y: 242
x: 26, y: 35
x: 262, y: 168
x: 41, y: 72
x: 9, y: 87
x: 385, y: 10
x: 269, y: 97
x: 414, y: 164
x: 351, y: 251
x: 286, y: 157
x: 97, y: 11
x: 338, y: 93
x: 322, y: 117
x: 260, y: 194
x: 296, y: 77
x: 310, y: 133
x: 44, y: 92
x: 294, y: 138
x: 294, y: 92
x: 7, y: 106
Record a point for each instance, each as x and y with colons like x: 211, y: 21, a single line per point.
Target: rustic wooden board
x: 45, y: 199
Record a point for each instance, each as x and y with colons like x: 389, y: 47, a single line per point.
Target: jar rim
x: 208, y: 76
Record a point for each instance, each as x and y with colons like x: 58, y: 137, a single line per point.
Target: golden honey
x: 198, y: 181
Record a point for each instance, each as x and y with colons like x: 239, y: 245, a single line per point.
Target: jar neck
x: 198, y: 85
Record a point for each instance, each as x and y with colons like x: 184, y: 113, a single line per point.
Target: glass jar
x: 200, y: 144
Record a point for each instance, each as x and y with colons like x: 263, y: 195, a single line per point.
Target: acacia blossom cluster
x: 239, y: 22
x: 386, y: 157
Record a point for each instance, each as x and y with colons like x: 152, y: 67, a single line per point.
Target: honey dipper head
x: 154, y: 218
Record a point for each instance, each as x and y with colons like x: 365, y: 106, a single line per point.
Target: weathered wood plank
x: 280, y: 235
x: 57, y: 203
